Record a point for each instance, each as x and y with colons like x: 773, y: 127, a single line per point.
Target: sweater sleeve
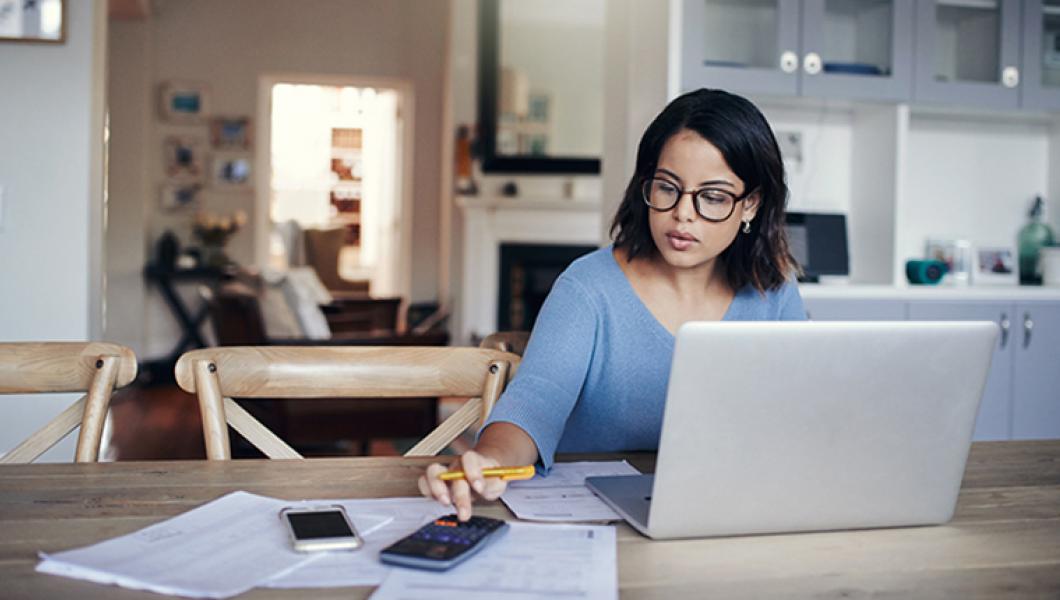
x: 543, y: 393
x: 791, y: 307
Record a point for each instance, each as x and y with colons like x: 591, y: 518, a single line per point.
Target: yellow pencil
x: 505, y: 473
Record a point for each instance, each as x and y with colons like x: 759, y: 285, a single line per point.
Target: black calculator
x: 443, y: 543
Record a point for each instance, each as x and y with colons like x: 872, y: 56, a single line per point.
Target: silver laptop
x: 779, y: 427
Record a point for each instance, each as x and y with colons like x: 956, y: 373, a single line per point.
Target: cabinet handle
x: 811, y: 63
x: 1005, y: 326
x: 1028, y: 326
x: 789, y: 62
x: 1010, y: 77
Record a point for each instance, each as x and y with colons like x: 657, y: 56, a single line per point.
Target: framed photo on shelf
x: 184, y: 158
x: 995, y: 265
x: 957, y: 254
x: 232, y: 170
x: 230, y: 133
x: 175, y: 196
x: 184, y: 101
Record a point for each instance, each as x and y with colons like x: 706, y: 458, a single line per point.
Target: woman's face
x: 683, y: 237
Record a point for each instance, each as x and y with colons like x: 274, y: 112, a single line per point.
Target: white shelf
x: 928, y: 292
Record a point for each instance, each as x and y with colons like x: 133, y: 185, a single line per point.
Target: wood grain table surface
x: 1003, y: 543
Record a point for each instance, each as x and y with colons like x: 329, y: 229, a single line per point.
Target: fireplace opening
x: 527, y: 272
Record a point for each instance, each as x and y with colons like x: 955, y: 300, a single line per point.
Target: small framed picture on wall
x: 230, y: 133
x: 184, y: 158
x: 184, y: 101
x: 232, y: 170
x: 174, y: 197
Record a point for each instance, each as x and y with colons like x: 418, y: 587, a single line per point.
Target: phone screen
x: 319, y: 524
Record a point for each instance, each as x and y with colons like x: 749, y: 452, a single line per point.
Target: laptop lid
x: 776, y: 427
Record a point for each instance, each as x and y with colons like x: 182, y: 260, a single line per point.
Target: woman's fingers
x: 473, y: 463
x: 461, y: 499
x: 436, y: 488
x: 494, y: 487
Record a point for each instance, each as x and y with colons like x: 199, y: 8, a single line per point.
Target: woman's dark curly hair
x: 739, y: 131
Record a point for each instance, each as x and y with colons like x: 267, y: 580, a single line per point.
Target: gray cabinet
x: 1041, y: 54
x: 1022, y: 395
x: 835, y: 309
x: 968, y: 52
x: 1036, y: 372
x: 857, y: 49
x: 995, y: 409
x: 748, y: 46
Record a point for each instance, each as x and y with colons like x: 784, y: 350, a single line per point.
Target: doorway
x: 338, y: 156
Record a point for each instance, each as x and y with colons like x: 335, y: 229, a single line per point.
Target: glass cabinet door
x: 747, y: 46
x: 968, y: 52
x: 860, y: 49
x: 1041, y: 52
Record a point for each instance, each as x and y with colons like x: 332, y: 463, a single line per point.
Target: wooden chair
x: 217, y: 375
x: 56, y: 367
x: 507, y: 341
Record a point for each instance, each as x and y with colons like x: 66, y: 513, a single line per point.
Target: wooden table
x: 1004, y: 541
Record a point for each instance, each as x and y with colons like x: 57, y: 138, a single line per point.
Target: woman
x: 699, y: 236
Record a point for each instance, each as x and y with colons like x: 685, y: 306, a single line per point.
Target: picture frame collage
x: 213, y: 152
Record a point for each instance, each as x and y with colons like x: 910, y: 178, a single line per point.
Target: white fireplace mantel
x: 492, y: 221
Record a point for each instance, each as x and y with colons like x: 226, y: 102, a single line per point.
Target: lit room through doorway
x: 335, y: 162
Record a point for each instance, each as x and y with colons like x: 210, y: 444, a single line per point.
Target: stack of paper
x: 220, y: 549
x: 239, y: 542
x: 563, y: 496
x: 532, y: 561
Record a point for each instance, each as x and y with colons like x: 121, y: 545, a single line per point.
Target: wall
x: 231, y: 44
x: 50, y: 169
x: 129, y: 87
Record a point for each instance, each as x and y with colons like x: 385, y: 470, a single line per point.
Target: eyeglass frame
x: 644, y: 195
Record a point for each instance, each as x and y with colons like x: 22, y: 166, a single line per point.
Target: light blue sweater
x: 593, y: 377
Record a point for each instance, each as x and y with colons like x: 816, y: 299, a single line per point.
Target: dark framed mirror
x: 540, y: 97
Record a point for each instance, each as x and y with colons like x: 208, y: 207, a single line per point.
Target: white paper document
x: 217, y: 550
x: 362, y: 567
x: 562, y: 496
x: 220, y: 549
x: 532, y: 561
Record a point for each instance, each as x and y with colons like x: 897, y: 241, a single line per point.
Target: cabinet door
x: 995, y: 410
x: 745, y: 46
x: 861, y: 49
x: 847, y: 309
x: 1036, y: 393
x: 1041, y: 54
x: 967, y: 52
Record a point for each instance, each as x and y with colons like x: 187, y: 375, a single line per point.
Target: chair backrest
x: 216, y: 375
x: 96, y: 368
x: 507, y: 341
x: 322, y: 248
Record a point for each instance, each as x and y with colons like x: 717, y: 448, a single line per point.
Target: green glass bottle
x: 1032, y: 237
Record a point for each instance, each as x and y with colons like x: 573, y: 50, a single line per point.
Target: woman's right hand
x: 459, y: 491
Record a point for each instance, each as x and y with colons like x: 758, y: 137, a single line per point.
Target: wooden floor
x: 162, y: 422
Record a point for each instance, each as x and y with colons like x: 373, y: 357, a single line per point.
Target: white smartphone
x: 314, y: 529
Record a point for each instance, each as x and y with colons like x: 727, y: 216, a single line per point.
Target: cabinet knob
x: 811, y: 63
x: 1028, y: 326
x: 1010, y: 77
x: 1005, y: 326
x: 789, y: 62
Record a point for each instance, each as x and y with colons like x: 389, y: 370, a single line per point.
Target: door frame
x: 401, y: 262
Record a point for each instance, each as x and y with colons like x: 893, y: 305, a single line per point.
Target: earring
x: 747, y: 227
